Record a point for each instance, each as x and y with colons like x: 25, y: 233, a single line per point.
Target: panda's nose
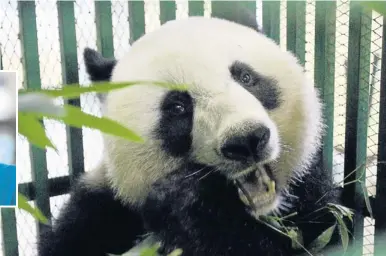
x: 247, y: 146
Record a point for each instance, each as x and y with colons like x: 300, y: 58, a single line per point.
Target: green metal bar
x: 57, y: 186
x: 271, y: 19
x: 196, y: 8
x: 235, y: 11
x: 380, y: 198
x: 325, y: 20
x: 136, y: 20
x: 68, y: 50
x: 29, y: 42
x: 167, y: 11
x: 219, y: 8
x: 358, y: 71
x: 8, y: 225
x: 296, y: 29
x: 104, y: 28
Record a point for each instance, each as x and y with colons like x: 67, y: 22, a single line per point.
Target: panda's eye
x: 245, y: 78
x: 176, y: 109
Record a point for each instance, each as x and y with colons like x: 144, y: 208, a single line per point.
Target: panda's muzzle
x: 248, y: 147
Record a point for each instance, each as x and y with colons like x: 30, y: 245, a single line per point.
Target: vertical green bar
x: 296, y: 29
x: 29, y: 42
x: 167, y: 11
x: 380, y: 199
x: 196, y: 8
x: 136, y: 20
x: 219, y: 8
x: 8, y: 225
x: 271, y: 19
x: 236, y: 12
x: 104, y: 28
x: 357, y: 114
x: 325, y: 21
x: 68, y: 51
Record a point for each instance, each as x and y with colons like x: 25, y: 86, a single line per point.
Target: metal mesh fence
x: 373, y: 128
x: 86, y: 34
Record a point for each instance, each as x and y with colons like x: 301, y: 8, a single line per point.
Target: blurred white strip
x: 38, y: 102
x: 7, y: 108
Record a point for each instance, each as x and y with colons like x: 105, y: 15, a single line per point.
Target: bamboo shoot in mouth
x: 257, y: 190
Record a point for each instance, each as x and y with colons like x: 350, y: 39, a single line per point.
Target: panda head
x: 249, y: 111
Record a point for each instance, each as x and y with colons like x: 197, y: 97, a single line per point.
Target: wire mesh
x: 310, y: 39
x: 283, y: 24
x: 373, y: 128
x: 51, y: 76
x: 341, y: 53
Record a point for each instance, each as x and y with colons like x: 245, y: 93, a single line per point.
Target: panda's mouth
x: 257, y: 189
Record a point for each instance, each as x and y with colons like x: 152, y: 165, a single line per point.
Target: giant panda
x: 241, y: 142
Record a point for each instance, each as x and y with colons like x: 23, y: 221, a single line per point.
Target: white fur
x: 198, y: 51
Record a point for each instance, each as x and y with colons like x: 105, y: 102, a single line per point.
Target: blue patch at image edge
x: 7, y: 185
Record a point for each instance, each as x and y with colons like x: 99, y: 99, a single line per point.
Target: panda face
x: 248, y: 105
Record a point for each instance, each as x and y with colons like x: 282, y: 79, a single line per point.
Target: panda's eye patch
x: 176, y: 109
x: 177, y: 104
x: 244, y: 74
x: 245, y: 77
x: 264, y: 88
x: 176, y: 123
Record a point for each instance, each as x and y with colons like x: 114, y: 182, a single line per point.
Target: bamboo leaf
x: 35, y: 212
x: 176, y: 252
x: 297, y: 238
x: 367, y: 200
x: 75, y: 90
x: 30, y: 127
x: 150, y: 251
x: 77, y: 118
x: 341, y: 210
x: 322, y: 240
x: 343, y: 231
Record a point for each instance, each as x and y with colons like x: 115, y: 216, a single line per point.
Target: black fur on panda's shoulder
x: 93, y: 222
x: 203, y: 215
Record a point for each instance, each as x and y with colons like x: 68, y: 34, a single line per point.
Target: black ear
x: 98, y: 67
x: 235, y: 12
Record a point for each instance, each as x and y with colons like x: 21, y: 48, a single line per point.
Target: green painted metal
x: 219, y: 8
x: 104, y: 28
x: 167, y: 11
x: 57, y: 186
x: 357, y: 113
x: 296, y: 29
x: 380, y: 199
x: 136, y: 20
x: 271, y: 19
x: 8, y: 225
x: 235, y: 11
x: 30, y: 53
x: 68, y: 50
x: 196, y: 8
x: 325, y: 21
